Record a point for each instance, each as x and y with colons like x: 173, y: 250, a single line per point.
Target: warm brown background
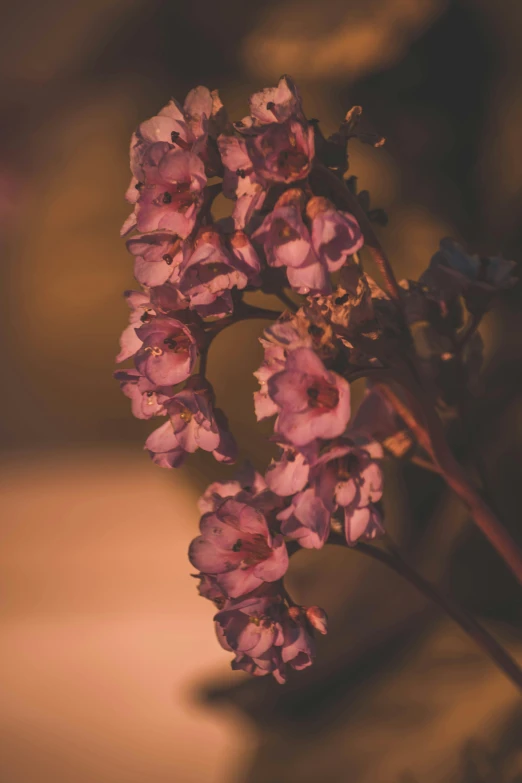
x: 109, y: 669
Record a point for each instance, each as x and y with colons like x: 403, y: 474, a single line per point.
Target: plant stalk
x: 493, y: 649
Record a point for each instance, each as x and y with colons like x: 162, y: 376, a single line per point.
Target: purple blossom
x: 282, y: 152
x: 352, y: 472
x: 157, y: 257
x: 265, y: 635
x: 192, y: 425
x: 335, y: 235
x: 249, y: 486
x: 312, y: 401
x: 236, y: 547
x: 167, y: 299
x: 345, y: 477
x: 168, y: 351
x: 287, y: 242
x: 276, y: 104
x: 240, y: 181
x: 184, y: 127
x: 141, y: 311
x: 286, y: 334
x: 171, y: 194
x: 289, y: 474
x: 208, y: 275
x: 147, y: 399
x: 251, y: 625
x: 307, y: 518
x: 298, y: 649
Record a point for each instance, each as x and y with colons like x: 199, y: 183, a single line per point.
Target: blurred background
x: 109, y: 667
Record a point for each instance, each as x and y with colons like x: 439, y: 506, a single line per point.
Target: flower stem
x: 244, y: 313
x: 421, y: 418
x: 394, y: 560
x: 291, y: 305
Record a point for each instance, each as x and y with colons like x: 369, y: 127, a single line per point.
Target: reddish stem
x: 422, y: 419
x: 468, y: 623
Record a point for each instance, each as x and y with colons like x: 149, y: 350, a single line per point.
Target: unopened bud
x: 316, y: 205
x: 294, y: 612
x: 292, y: 196
x: 317, y: 618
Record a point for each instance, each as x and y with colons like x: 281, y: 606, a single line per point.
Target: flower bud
x: 317, y: 618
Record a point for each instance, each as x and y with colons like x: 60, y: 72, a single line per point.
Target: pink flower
x: 298, y: 649
x: 283, y: 234
x: 192, y: 425
x: 237, y: 548
x: 147, y: 399
x: 287, y: 242
x: 276, y: 104
x: 239, y: 180
x: 284, y: 335
x: 289, y: 474
x: 158, y: 255
x: 354, y: 474
x: 251, y: 625
x: 266, y: 635
x: 267, y: 663
x: 168, y: 351
x: 182, y: 127
x: 282, y: 152
x: 178, y: 129
x: 346, y: 477
x: 142, y: 311
x: 166, y: 299
x: 279, y: 140
x: 307, y: 518
x: 169, y: 126
x: 248, y: 487
x: 335, y: 235
x: 312, y: 401
x: 171, y: 194
x: 208, y: 275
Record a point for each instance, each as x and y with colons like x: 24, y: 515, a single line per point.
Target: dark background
x: 111, y: 671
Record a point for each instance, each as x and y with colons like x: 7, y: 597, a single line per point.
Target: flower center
x: 255, y: 549
x: 322, y: 395
x: 147, y: 316
x: 284, y: 231
x: 154, y: 350
x: 292, y: 161
x: 186, y: 415
x: 347, y: 467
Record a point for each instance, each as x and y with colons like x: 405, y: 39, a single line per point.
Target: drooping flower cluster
x: 294, y: 231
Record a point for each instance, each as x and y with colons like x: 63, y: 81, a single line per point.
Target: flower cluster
x: 295, y: 230
x: 242, y: 559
